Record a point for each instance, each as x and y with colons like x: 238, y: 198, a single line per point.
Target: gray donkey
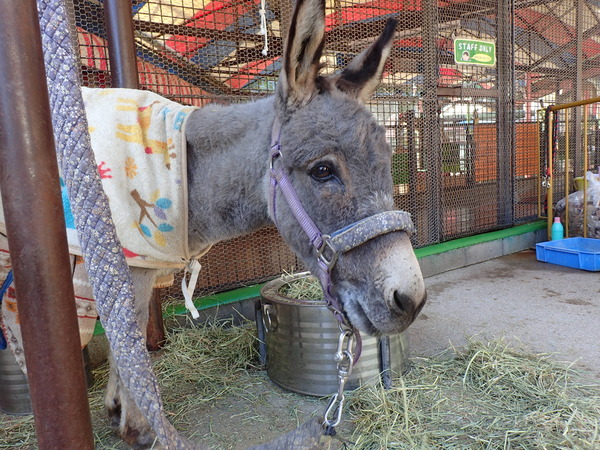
x: 332, y: 154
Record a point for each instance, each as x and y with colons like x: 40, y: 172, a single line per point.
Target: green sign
x: 473, y: 51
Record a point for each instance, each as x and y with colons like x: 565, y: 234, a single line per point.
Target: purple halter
x: 329, y: 247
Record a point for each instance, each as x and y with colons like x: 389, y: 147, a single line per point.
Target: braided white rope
x: 103, y: 256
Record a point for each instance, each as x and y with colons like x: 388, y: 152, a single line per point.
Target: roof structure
x: 217, y: 47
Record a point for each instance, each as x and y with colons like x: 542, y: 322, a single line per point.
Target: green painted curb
x: 479, y: 239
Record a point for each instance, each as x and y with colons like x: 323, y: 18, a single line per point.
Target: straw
x: 486, y: 396
x: 304, y: 288
x: 489, y: 395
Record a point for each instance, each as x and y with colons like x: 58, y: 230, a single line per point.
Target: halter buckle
x: 275, y: 153
x: 326, y: 253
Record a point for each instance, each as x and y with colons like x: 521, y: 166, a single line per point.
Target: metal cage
x: 464, y: 133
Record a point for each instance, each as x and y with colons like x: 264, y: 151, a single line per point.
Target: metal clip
x: 344, y: 357
x: 546, y: 182
x: 344, y: 353
x: 274, y: 155
x: 334, y: 408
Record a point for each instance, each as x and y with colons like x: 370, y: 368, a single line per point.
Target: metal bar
x: 506, y: 105
x: 124, y: 74
x: 414, y: 181
x: 578, y: 75
x: 37, y: 237
x: 413, y: 178
x: 431, y: 120
x: 597, y: 144
x: 385, y: 362
x: 539, y: 161
x: 466, y: 92
x: 121, y: 44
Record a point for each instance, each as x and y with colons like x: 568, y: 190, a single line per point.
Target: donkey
x: 335, y: 156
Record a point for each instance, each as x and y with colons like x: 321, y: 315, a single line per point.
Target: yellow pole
x: 574, y: 104
x: 585, y: 168
x: 567, y: 147
x: 550, y: 174
x: 539, y: 162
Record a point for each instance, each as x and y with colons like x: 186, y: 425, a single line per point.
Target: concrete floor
x: 546, y: 307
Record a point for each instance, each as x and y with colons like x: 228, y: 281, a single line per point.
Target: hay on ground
x: 486, y: 396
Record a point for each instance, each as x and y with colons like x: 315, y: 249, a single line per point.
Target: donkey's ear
x: 303, y: 48
x: 362, y: 76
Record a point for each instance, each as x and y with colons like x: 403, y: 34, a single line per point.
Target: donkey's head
x: 337, y: 159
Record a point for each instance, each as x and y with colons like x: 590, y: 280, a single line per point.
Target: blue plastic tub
x: 578, y: 252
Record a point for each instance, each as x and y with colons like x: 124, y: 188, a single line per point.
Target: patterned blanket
x: 139, y: 143
x: 10, y: 324
x: 146, y: 179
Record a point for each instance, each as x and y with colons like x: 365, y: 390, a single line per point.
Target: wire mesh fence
x: 464, y: 130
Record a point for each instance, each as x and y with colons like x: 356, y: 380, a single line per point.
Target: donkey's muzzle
x: 407, y: 306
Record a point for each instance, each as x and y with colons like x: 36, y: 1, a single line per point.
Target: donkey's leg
x: 112, y: 397
x: 121, y: 408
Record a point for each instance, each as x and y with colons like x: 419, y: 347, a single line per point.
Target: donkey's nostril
x: 404, y: 303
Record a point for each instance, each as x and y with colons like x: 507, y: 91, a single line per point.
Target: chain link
x: 344, y: 357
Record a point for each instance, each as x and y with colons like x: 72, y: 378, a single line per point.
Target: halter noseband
x: 329, y: 247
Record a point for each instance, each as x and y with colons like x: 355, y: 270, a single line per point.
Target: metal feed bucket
x: 301, y: 338
x: 14, y: 389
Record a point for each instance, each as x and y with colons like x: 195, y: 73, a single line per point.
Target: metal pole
x: 574, y: 104
x: 585, y: 168
x: 567, y: 169
x: 505, y: 106
x: 578, y: 93
x: 412, y: 163
x: 431, y: 121
x: 121, y: 45
x: 37, y: 238
x: 385, y: 359
x: 124, y: 74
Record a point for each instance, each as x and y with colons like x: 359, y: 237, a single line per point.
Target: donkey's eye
x: 322, y: 172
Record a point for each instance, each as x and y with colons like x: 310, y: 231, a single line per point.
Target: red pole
x: 121, y: 44
x: 124, y: 74
x: 37, y: 238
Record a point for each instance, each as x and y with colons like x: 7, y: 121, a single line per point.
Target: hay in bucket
x: 303, y: 288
